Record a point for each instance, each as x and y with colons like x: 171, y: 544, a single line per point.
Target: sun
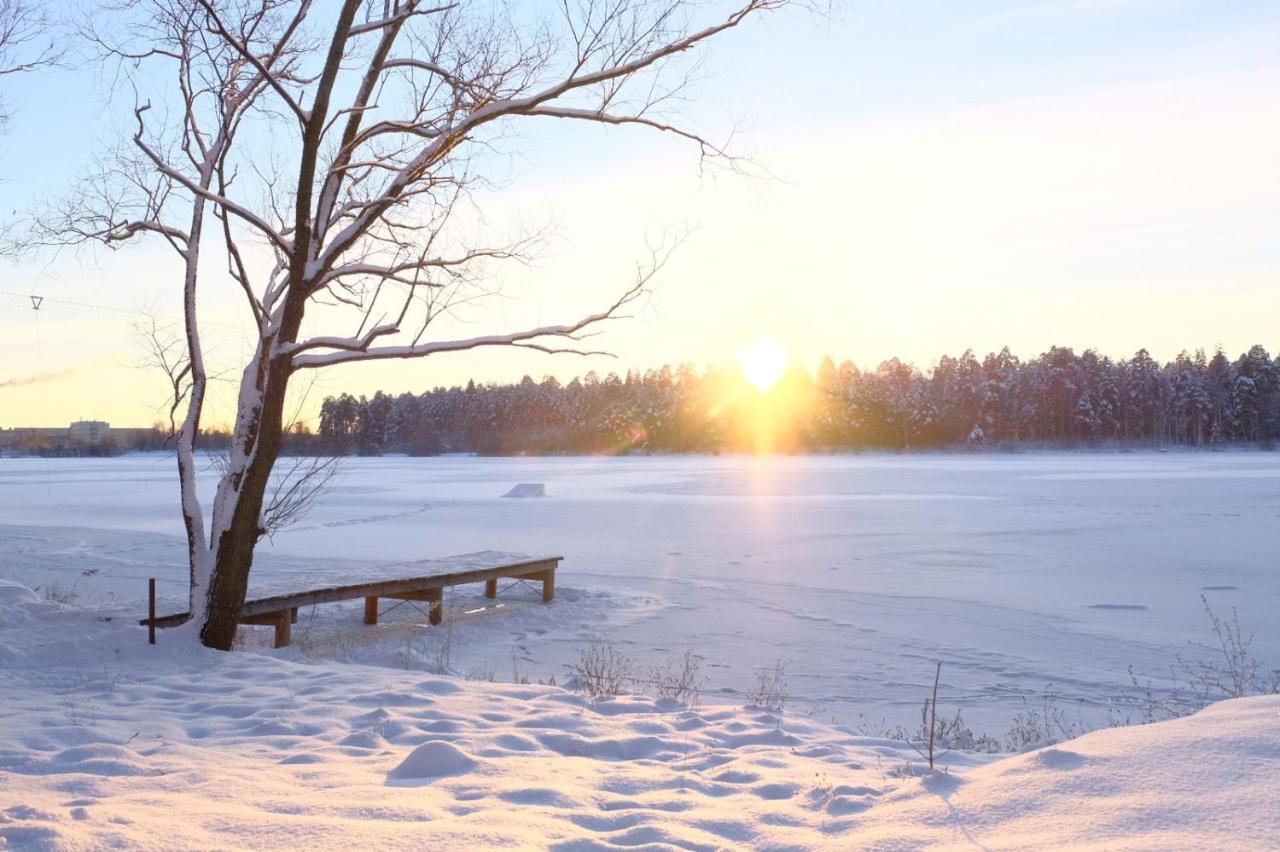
x: 763, y: 363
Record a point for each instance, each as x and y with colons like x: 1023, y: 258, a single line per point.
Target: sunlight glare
x: 763, y: 363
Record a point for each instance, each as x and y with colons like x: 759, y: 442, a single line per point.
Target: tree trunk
x: 257, y: 440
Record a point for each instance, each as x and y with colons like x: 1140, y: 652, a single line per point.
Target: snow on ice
x: 1017, y: 572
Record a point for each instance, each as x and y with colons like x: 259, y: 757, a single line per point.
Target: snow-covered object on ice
x: 527, y: 489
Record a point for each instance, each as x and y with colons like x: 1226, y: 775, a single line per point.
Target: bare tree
x: 25, y: 43
x: 330, y: 150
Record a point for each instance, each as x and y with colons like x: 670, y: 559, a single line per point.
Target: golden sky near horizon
x: 1116, y: 198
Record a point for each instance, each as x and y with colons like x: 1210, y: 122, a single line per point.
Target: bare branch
x: 296, y: 490
x: 203, y: 192
x: 164, y: 350
x: 347, y: 350
x: 410, y: 10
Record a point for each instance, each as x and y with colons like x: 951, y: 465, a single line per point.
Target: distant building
x: 82, y: 433
x: 88, y: 431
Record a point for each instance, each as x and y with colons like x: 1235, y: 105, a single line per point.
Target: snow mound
x: 1057, y: 758
x: 527, y: 489
x: 103, y: 759
x: 1180, y: 784
x: 432, y: 759
x: 12, y: 593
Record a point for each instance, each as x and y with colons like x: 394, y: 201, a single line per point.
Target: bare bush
x: 430, y: 650
x: 442, y: 652
x: 602, y: 670
x: 1041, y: 726
x: 516, y: 676
x: 328, y: 642
x: 771, y: 691
x: 955, y: 733
x: 58, y: 592
x: 1226, y: 669
x: 482, y: 672
x: 1234, y: 672
x: 681, y: 679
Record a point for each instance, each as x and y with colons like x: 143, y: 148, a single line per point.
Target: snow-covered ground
x: 859, y: 572
x: 106, y: 742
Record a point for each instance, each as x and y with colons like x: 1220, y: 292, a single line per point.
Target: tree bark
x: 257, y: 440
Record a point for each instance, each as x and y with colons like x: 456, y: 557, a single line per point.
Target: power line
x: 135, y: 312
x: 28, y: 296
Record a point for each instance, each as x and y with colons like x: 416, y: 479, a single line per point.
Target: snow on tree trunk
x: 237, y: 512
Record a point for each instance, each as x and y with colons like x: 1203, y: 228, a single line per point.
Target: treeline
x: 298, y: 440
x: 1059, y: 398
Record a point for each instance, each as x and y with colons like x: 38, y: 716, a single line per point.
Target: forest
x: 1060, y: 398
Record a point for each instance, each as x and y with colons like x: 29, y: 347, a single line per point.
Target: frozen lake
x: 1015, y: 571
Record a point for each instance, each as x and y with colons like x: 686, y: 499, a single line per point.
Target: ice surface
x: 1015, y: 571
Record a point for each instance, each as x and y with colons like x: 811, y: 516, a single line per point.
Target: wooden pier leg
x: 435, y: 603
x: 284, y: 629
x: 491, y: 588
x: 151, y: 611
x: 293, y: 615
x: 370, y: 610
x: 548, y: 586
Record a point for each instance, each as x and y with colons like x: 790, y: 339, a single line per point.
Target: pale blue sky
x: 947, y: 175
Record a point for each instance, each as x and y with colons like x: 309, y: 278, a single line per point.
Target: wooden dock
x: 281, y: 611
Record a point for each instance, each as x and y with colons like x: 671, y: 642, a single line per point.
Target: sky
x: 927, y: 177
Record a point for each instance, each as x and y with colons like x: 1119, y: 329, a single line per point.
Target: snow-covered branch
x: 268, y: 74
x: 410, y: 10
x: 202, y: 191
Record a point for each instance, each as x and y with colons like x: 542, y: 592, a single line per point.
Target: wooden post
x: 435, y: 604
x: 151, y: 611
x: 284, y: 631
x: 293, y: 615
x: 370, y: 610
x: 548, y: 585
x: 491, y: 588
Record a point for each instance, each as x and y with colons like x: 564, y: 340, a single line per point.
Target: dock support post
x: 151, y: 611
x: 491, y: 588
x: 370, y: 610
x: 284, y: 628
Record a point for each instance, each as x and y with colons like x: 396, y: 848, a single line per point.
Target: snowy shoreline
x: 107, y: 741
